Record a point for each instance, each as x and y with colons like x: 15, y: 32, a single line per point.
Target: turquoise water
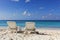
x: 39, y: 23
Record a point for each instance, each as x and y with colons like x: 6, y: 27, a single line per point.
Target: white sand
x: 53, y: 34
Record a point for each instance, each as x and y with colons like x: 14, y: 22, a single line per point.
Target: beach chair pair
x: 29, y: 27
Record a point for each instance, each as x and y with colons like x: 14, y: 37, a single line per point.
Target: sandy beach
x: 51, y: 34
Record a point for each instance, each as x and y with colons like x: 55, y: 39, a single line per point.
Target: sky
x: 29, y: 9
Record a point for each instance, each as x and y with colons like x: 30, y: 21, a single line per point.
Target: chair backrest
x: 11, y: 24
x: 30, y: 25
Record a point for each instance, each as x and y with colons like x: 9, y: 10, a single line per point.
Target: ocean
x: 39, y: 23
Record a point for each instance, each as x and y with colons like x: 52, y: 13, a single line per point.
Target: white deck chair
x: 12, y: 26
x: 30, y: 26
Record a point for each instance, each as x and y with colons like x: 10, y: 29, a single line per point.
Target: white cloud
x: 15, y: 0
x: 29, y: 14
x: 41, y: 8
x: 50, y: 14
x: 3, y: 17
x: 43, y: 17
x: 26, y: 1
x: 51, y: 10
x: 57, y: 17
x: 26, y: 13
x: 14, y: 15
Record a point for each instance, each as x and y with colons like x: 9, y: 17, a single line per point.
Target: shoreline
x: 45, y: 28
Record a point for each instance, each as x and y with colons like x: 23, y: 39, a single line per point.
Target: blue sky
x: 29, y: 9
